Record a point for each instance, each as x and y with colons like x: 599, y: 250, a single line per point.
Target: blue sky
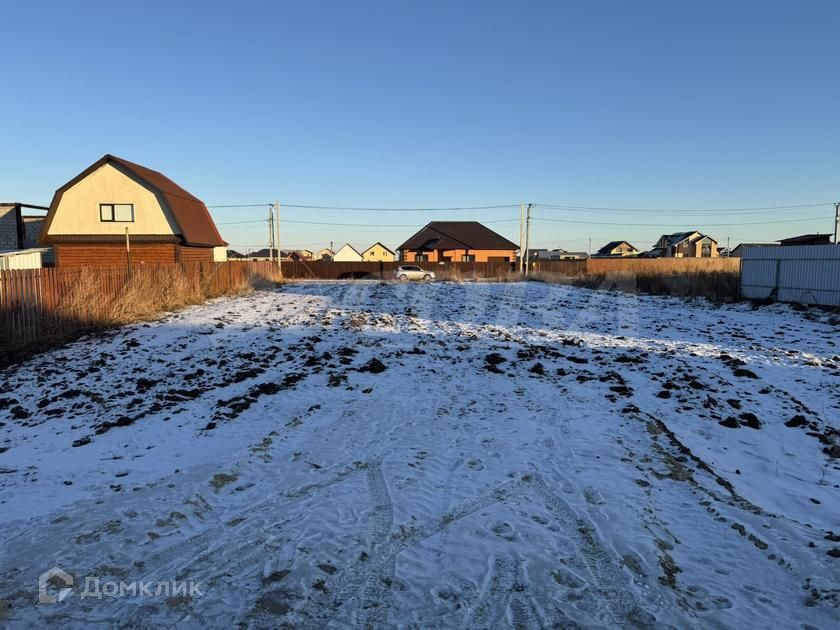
x: 662, y: 105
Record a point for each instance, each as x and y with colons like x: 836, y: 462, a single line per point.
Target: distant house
x: 323, y: 254
x: 536, y: 255
x: 539, y: 254
x: 562, y: 254
x: 684, y: 245
x: 457, y: 241
x: 738, y: 251
x: 19, y: 230
x: 19, y: 237
x: 378, y: 253
x: 806, y: 239
x: 262, y: 254
x: 271, y: 254
x: 90, y: 215
x: 297, y: 254
x: 348, y: 253
x: 232, y: 254
x: 616, y: 249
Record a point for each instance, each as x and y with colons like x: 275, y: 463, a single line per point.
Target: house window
x: 421, y: 258
x: 468, y: 258
x: 116, y: 212
x: 706, y: 248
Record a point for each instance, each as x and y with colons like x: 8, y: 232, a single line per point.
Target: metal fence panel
x: 809, y: 274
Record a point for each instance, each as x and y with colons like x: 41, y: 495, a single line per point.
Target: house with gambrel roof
x: 114, y: 206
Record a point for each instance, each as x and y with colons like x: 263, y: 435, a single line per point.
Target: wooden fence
x: 326, y: 270
x: 36, y: 304
x: 306, y: 270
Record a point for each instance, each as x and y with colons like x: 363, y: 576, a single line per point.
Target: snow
x: 530, y: 456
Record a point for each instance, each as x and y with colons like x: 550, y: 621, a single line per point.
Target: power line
x: 243, y: 205
x: 241, y: 222
x: 378, y: 224
x: 624, y: 224
x: 549, y: 206
x: 686, y: 210
x: 367, y: 209
x: 347, y: 224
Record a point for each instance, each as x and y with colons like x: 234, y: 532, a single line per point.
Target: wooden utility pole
x: 836, y: 220
x: 528, y: 238
x: 271, y: 233
x: 128, y: 250
x: 277, y: 237
x: 521, y: 238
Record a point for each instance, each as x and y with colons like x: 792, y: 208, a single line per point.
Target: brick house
x: 457, y: 241
x: 90, y: 216
x: 19, y: 230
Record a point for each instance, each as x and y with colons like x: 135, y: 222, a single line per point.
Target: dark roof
x: 232, y: 253
x: 606, y: 249
x: 677, y: 237
x: 457, y: 235
x: 807, y: 239
x: 740, y: 245
x: 193, y: 218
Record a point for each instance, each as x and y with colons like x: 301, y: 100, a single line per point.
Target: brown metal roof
x: 193, y: 218
x: 457, y: 235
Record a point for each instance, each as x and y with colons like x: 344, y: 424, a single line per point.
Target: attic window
x: 116, y: 212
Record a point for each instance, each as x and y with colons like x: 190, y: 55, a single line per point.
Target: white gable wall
x: 347, y: 254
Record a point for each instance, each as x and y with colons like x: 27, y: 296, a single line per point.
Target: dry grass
x: 93, y: 303
x: 710, y: 284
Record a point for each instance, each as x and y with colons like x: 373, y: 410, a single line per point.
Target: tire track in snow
x: 349, y: 584
x: 609, y: 580
x: 375, y: 589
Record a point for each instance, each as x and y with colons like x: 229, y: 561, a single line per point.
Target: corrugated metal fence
x: 808, y: 274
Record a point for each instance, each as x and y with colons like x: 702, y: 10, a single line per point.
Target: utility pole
x: 521, y: 238
x: 836, y: 220
x: 527, y: 237
x: 589, y: 249
x: 270, y: 233
x: 277, y: 237
x: 128, y: 251
x: 728, y: 250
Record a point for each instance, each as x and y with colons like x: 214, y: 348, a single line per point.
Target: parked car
x: 413, y: 272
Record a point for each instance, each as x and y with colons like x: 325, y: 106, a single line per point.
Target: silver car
x: 404, y: 273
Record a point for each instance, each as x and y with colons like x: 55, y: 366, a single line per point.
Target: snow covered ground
x: 444, y: 455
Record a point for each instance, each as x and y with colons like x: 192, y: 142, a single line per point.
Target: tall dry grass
x: 710, y: 284
x: 93, y: 301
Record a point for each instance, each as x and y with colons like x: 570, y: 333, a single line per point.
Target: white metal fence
x: 809, y: 274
